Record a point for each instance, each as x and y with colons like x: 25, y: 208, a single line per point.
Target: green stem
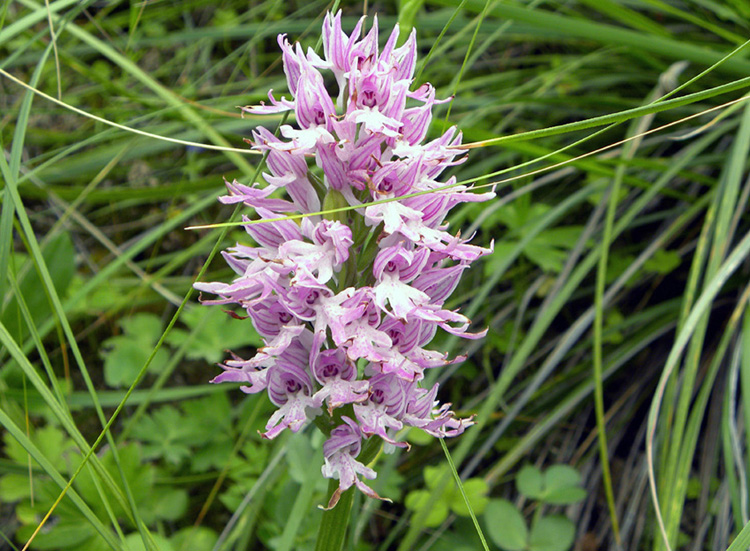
x: 335, y: 521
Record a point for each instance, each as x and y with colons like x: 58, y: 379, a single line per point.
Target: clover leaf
x: 211, y: 332
x: 558, y: 485
x: 126, y: 354
x: 552, y: 533
x: 505, y: 525
x: 450, y: 499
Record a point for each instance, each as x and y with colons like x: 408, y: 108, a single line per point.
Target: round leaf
x: 476, y: 491
x: 561, y: 476
x: 564, y: 496
x: 562, y: 486
x: 419, y: 500
x: 434, y: 476
x: 134, y: 542
x: 171, y: 504
x: 419, y: 437
x: 505, y: 525
x: 194, y: 537
x: 14, y: 487
x: 553, y: 533
x: 530, y: 482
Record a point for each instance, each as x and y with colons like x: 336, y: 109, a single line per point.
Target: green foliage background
x: 616, y: 296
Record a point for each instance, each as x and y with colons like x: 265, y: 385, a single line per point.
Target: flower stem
x: 332, y: 531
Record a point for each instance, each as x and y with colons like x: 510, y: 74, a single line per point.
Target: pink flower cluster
x: 346, y: 305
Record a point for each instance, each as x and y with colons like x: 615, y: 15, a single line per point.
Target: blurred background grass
x: 618, y: 286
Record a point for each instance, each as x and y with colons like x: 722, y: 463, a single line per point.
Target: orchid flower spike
x: 347, y: 303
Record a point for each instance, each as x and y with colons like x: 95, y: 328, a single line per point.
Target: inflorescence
x: 346, y: 303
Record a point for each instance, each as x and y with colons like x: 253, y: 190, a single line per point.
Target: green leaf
x: 548, y: 258
x: 210, y: 418
x: 407, y: 13
x: 14, y: 487
x: 194, y: 537
x: 553, y: 533
x: 505, y: 525
x: 216, y: 455
x: 126, y: 354
x: 476, y: 491
x: 530, y: 482
x: 434, y: 476
x: 301, y: 468
x: 662, y: 262
x: 59, y: 256
x: 134, y: 542
x: 419, y: 437
x: 165, y: 435
x: 211, y: 332
x: 419, y: 500
x: 564, y: 496
x: 51, y: 442
x: 503, y: 249
x: 559, y: 485
x: 564, y: 237
x: 170, y: 504
x: 562, y: 486
x: 140, y: 477
x: 561, y: 476
x: 66, y: 534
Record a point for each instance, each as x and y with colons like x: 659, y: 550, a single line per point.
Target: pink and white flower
x: 364, y: 288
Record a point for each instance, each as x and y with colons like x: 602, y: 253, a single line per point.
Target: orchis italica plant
x: 347, y: 301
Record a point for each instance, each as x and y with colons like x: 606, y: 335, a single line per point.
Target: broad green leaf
x: 299, y: 457
x: 170, y: 503
x: 503, y: 249
x: 134, y: 542
x: 530, y: 482
x: 140, y: 478
x: 505, y: 525
x: 51, y: 442
x: 214, y: 455
x: 210, y: 418
x: 420, y: 499
x: 165, y: 435
x: 125, y: 355
x: 407, y: 13
x: 564, y: 496
x: 66, y: 534
x: 662, y: 262
x: 194, y: 537
x: 553, y: 533
x: 216, y: 331
x: 14, y: 487
x: 419, y: 437
x: 434, y: 476
x: 476, y: 491
x: 548, y: 258
x: 562, y: 485
x: 561, y: 476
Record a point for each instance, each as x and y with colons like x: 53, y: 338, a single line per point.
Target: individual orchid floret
x: 291, y: 389
x: 381, y: 413
x: 254, y: 197
x: 338, y: 47
x: 326, y: 254
x: 340, y: 452
x: 338, y: 377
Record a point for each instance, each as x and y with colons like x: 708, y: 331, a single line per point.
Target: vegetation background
x: 616, y: 296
